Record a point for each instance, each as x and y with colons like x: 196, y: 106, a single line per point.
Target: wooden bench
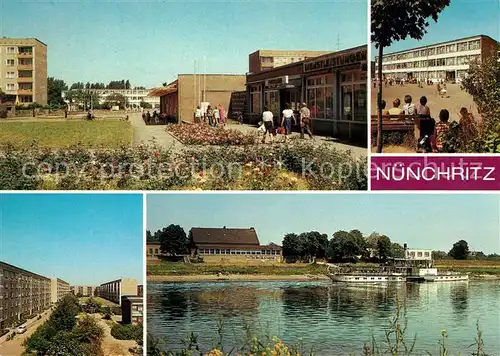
x: 401, y: 123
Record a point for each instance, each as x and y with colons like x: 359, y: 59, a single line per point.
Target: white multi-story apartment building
x: 442, y: 61
x: 115, y: 290
x: 134, y: 96
x: 23, y: 70
x: 58, y: 289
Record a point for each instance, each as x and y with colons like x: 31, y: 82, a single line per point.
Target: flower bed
x: 297, y: 166
x: 202, y: 134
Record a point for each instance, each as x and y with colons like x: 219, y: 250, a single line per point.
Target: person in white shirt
x: 408, y: 107
x: 267, y: 119
x: 286, y: 120
x: 197, y: 115
x: 216, y: 115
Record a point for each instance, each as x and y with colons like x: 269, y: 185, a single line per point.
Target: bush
x: 127, y: 332
x: 203, y: 134
x: 298, y: 165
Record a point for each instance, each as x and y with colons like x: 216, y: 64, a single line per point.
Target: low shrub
x: 127, y: 332
x: 202, y: 134
x: 298, y: 165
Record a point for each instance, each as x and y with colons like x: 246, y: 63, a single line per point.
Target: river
x: 332, y: 319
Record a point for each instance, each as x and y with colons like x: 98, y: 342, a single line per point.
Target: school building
x: 447, y: 61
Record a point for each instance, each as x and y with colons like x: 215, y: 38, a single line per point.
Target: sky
x: 151, y: 41
x: 463, y: 18
x: 434, y: 221
x: 84, y: 239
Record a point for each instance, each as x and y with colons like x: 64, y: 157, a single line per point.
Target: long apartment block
x: 84, y: 291
x: 23, y: 70
x: 58, y: 289
x: 114, y: 290
x: 23, y: 294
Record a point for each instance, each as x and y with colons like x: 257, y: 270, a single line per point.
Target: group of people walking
x: 286, y: 122
x: 431, y: 135
x: 214, y: 116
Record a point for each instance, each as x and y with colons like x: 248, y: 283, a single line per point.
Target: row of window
x: 12, y: 49
x: 443, y: 49
x: 419, y: 253
x: 216, y: 251
x: 439, y: 62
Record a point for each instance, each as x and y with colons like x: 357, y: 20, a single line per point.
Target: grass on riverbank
x: 65, y: 133
x: 179, y: 269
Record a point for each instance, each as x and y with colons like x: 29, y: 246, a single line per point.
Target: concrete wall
x: 40, y: 73
x: 128, y: 287
x: 218, y: 91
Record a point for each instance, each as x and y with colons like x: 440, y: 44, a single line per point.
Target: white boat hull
x: 353, y: 278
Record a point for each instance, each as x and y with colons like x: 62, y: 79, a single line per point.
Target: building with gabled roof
x: 231, y: 242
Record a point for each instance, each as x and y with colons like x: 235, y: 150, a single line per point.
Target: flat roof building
x: 115, y: 290
x: 23, y: 294
x: 332, y: 85
x: 132, y: 309
x: 181, y: 97
x: 58, y: 289
x: 23, y: 70
x: 264, y: 59
x: 153, y: 249
x: 84, y: 291
x: 134, y: 97
x: 446, y: 61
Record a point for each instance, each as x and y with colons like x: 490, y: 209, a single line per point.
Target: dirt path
x: 111, y: 346
x: 15, y: 347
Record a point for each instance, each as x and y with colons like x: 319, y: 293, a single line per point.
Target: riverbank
x: 235, y: 277
x: 263, y: 278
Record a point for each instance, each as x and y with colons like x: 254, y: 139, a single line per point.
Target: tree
x: 173, y: 240
x: 439, y: 255
x: 397, y: 251
x: 116, y: 99
x: 292, y: 246
x: 127, y: 84
x: 347, y: 245
x: 482, y: 82
x: 55, y: 87
x: 460, y: 250
x: 394, y: 21
x: 145, y: 105
x: 384, y: 247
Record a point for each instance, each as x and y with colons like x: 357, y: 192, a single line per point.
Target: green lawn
x: 65, y: 133
x: 171, y: 268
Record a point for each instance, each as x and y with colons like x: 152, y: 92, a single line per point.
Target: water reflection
x: 325, y: 315
x: 459, y: 297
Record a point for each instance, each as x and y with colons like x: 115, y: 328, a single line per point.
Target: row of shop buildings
x: 333, y: 85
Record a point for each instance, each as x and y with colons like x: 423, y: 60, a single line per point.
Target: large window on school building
x: 320, y: 96
x: 353, y: 95
x: 255, y: 100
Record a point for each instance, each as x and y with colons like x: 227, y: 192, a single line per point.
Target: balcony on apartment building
x: 25, y: 52
x: 25, y: 76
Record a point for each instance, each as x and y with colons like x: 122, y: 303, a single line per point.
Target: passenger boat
x: 417, y: 266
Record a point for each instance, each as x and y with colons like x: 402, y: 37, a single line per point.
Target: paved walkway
x: 15, y: 347
x: 146, y: 133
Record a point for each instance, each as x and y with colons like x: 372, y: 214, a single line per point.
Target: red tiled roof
x: 224, y: 236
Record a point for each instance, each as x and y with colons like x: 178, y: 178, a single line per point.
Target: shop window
x: 255, y: 100
x: 353, y: 97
